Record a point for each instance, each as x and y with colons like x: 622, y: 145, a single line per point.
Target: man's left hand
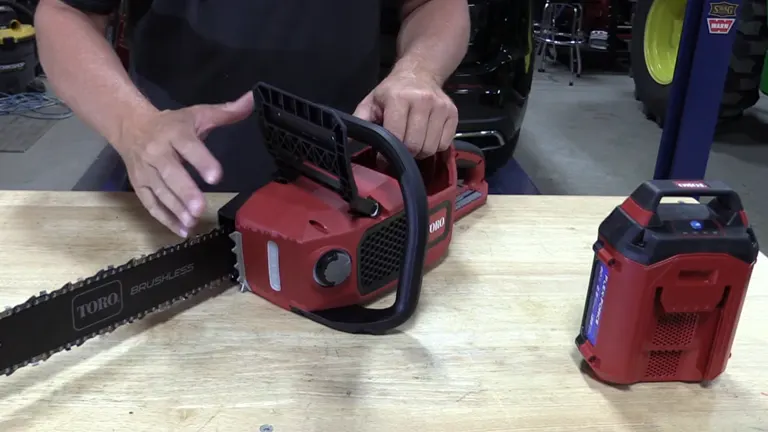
x: 415, y: 109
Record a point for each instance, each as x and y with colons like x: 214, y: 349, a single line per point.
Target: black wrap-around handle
x: 649, y: 194
x: 358, y: 318
x: 300, y: 132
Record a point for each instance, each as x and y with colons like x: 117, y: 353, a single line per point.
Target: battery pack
x: 667, y: 285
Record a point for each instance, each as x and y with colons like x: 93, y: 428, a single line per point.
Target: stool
x: 549, y: 35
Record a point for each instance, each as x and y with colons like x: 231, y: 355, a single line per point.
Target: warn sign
x: 720, y: 25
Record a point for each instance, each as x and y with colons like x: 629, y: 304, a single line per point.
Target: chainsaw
x: 336, y: 229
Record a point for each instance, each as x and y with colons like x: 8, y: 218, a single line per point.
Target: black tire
x: 497, y: 158
x: 742, y: 84
x: 743, y: 80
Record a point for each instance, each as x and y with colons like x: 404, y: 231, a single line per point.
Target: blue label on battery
x: 596, y: 302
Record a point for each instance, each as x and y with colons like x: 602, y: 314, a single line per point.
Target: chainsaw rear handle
x: 470, y: 162
x: 648, y: 196
x: 360, y: 319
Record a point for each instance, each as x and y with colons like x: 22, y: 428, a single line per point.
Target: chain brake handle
x: 468, y: 158
x: 470, y: 163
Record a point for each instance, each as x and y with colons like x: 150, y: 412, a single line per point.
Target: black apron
x: 189, y: 52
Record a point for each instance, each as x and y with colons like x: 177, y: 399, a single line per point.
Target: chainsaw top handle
x: 301, y: 134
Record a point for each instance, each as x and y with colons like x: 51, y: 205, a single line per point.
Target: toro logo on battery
x: 691, y: 185
x: 722, y: 16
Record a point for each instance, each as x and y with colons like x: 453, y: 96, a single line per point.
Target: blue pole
x: 697, y: 88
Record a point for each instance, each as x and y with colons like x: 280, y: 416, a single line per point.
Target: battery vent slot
x: 663, y: 364
x: 675, y: 330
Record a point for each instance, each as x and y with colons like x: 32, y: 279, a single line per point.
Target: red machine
x: 333, y: 231
x: 336, y: 229
x: 667, y: 286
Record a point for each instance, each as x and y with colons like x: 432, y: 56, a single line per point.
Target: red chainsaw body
x: 286, y: 228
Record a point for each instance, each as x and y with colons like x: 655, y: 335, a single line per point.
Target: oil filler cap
x: 333, y: 268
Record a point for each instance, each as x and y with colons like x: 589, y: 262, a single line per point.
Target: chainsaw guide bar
x: 51, y: 322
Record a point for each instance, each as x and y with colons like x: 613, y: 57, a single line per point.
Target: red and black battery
x: 668, y: 284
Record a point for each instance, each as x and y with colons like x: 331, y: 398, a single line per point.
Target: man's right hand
x: 153, y: 148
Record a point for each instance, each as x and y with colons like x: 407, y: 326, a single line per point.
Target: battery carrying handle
x: 726, y: 203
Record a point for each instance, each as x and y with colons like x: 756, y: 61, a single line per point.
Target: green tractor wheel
x: 657, y: 26
x: 764, y: 77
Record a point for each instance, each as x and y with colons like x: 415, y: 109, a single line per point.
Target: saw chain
x: 50, y: 322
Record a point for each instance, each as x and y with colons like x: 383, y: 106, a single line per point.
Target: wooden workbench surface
x: 491, y: 349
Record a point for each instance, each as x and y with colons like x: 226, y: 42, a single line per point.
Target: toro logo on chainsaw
x: 97, y: 304
x: 722, y: 16
x: 437, y: 225
x: 438, y: 220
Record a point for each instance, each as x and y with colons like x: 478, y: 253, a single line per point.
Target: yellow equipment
x: 18, y: 51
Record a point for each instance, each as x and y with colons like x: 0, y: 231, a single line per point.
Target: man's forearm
x: 85, y: 71
x: 433, y: 37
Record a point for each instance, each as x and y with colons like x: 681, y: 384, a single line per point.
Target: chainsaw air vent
x: 380, y: 254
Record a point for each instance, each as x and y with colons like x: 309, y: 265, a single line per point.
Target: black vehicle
x: 492, y: 85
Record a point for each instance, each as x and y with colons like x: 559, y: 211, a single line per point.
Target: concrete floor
x: 592, y: 139
x: 589, y: 139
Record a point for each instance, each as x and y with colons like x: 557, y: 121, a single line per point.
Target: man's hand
x: 414, y: 108
x: 410, y: 103
x: 154, y: 147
